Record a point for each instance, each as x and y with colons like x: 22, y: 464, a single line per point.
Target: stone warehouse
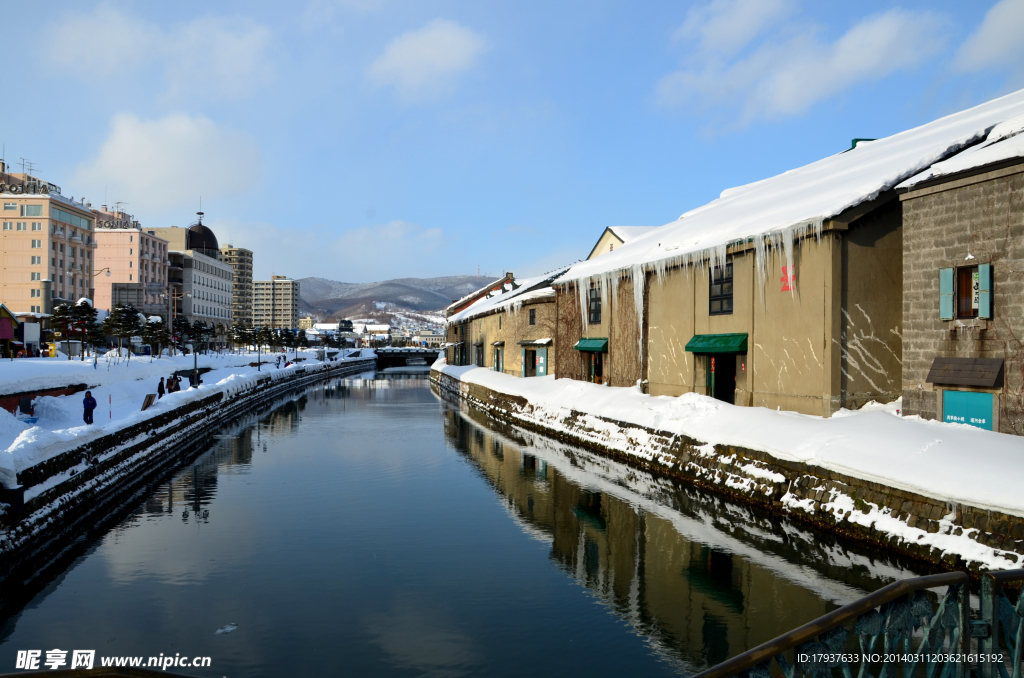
x: 963, y: 256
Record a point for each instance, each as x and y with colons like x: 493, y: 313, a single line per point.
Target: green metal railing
x: 900, y: 630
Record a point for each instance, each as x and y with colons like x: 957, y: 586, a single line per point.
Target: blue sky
x: 361, y: 140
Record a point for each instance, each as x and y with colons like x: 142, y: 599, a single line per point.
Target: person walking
x: 160, y: 389
x: 89, y: 404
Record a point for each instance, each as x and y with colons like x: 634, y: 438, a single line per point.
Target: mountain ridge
x: 333, y: 299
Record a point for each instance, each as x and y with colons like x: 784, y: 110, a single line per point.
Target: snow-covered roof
x: 476, y: 292
x: 536, y: 287
x: 627, y: 233
x: 772, y: 212
x: 1004, y: 142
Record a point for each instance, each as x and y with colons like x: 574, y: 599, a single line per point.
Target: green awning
x: 592, y: 345
x: 718, y: 343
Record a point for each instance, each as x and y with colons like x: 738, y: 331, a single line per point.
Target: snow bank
x: 873, y: 444
x: 119, y: 390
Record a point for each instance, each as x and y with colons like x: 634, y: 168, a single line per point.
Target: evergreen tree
x: 182, y: 331
x: 63, y: 320
x: 264, y: 336
x: 200, y: 333
x: 86, y: 327
x: 127, y: 323
x: 155, y: 334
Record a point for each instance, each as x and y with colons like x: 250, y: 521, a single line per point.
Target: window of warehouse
x: 720, y: 291
x: 595, y: 306
x: 965, y: 292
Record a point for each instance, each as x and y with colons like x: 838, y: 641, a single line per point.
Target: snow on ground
x: 950, y: 462
x: 119, y: 389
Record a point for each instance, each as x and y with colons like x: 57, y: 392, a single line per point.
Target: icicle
x: 639, y: 277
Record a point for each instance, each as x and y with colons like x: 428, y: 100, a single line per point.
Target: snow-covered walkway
x: 956, y: 463
x: 119, y: 389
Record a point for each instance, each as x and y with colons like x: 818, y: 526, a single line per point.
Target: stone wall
x: 802, y: 492
x: 974, y: 220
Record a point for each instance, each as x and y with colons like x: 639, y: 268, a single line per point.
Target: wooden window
x: 720, y: 291
x: 967, y: 292
x: 595, y: 306
x: 533, y: 316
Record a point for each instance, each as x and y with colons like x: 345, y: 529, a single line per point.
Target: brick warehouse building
x: 963, y: 269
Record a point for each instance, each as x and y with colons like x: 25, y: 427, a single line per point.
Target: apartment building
x: 240, y: 260
x: 201, y: 284
x: 275, y: 303
x: 47, y: 245
x: 137, y: 262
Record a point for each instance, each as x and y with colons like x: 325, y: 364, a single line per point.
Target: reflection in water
x: 701, y: 578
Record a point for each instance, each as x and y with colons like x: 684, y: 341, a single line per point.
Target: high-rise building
x: 47, y: 244
x: 240, y: 260
x: 201, y: 283
x: 137, y: 261
x: 275, y: 303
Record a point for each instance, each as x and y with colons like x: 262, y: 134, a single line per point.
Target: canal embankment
x: 945, y: 494
x: 74, y: 481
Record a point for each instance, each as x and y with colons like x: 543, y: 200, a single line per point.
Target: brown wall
x: 832, y: 340
x: 871, y: 324
x: 982, y: 215
x: 511, y: 327
x: 619, y: 325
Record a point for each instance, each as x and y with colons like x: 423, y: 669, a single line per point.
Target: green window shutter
x: 522, y: 362
x: 542, y: 362
x: 984, y: 290
x: 946, y: 293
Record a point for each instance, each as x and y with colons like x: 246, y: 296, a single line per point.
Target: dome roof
x: 202, y: 238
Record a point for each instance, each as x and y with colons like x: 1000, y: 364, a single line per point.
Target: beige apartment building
x: 47, y: 245
x: 275, y: 303
x: 200, y: 282
x: 240, y: 260
x: 137, y: 261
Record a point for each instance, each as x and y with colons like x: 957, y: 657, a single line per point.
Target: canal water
x: 367, y: 527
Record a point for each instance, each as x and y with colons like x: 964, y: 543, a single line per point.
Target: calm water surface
x: 369, y: 528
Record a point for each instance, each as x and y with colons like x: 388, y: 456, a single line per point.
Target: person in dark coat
x: 89, y: 404
x: 160, y: 389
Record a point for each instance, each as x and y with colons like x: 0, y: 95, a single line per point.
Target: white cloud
x: 776, y: 79
x: 401, y: 249
x: 997, y: 43
x: 160, y: 164
x: 425, y: 63
x: 727, y: 26
x: 221, y: 57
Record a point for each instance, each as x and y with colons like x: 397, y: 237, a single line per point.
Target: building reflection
x: 623, y: 534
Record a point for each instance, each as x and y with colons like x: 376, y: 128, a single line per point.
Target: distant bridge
x: 402, y: 357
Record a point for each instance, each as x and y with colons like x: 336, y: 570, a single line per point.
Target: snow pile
x: 911, y: 454
x: 773, y: 212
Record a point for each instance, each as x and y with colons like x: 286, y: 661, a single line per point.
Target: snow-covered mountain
x: 331, y: 299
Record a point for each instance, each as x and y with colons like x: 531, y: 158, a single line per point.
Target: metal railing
x: 888, y: 623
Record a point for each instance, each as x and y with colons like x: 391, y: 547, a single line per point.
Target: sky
x: 363, y: 140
